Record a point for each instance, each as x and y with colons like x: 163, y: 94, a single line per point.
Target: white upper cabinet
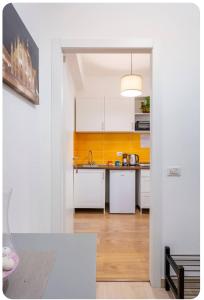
x: 105, y: 114
x: 119, y: 114
x: 90, y: 114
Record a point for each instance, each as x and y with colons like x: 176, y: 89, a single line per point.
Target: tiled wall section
x: 105, y: 145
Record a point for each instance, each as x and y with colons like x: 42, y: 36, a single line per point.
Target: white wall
x: 175, y: 28
x: 68, y: 112
x: 26, y: 164
x: 109, y: 86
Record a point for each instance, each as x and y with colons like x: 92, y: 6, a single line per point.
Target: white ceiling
x: 110, y: 64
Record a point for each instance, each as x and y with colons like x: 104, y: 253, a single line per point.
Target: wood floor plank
x: 129, y: 290
x: 122, y: 244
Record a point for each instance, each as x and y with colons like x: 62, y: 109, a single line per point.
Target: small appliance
x: 133, y: 159
x: 142, y: 125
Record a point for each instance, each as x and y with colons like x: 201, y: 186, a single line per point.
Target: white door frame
x: 58, y: 203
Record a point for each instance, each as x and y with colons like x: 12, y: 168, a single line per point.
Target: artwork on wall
x: 20, y: 56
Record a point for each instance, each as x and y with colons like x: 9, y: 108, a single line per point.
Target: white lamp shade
x: 131, y: 86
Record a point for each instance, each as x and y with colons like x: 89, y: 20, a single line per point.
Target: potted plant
x: 145, y: 105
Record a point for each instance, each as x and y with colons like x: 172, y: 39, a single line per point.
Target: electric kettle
x: 133, y: 159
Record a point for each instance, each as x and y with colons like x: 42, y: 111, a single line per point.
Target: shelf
x: 142, y: 131
x: 142, y: 114
x: 142, y: 97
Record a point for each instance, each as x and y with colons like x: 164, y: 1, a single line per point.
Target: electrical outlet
x: 119, y: 154
x: 174, y: 171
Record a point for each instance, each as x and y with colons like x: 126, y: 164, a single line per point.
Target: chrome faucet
x: 90, y: 158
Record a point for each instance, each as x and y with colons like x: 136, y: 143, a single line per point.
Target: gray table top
x: 73, y: 275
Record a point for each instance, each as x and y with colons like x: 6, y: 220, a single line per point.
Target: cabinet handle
x: 132, y: 125
x: 102, y: 126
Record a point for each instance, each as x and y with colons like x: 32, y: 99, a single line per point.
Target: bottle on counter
x: 125, y: 159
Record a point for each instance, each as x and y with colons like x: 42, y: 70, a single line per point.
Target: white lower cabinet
x: 89, y: 188
x: 144, y: 189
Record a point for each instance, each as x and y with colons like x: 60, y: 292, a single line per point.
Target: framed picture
x: 20, y: 56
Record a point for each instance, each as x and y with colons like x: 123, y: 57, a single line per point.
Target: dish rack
x: 182, y: 274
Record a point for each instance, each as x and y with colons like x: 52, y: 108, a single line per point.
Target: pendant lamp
x: 131, y: 84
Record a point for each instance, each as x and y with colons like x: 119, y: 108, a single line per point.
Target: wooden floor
x: 129, y: 290
x: 122, y: 244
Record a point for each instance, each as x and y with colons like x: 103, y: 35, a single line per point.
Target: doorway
x: 111, y: 46
x: 108, y: 128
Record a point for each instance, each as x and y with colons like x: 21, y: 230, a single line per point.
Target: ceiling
x: 110, y: 64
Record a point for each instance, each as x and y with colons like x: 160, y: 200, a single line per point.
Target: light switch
x: 119, y: 154
x: 174, y: 171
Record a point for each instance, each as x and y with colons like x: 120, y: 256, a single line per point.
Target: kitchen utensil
x: 133, y: 159
x: 117, y: 163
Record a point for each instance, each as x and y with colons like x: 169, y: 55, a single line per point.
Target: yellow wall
x: 105, y: 145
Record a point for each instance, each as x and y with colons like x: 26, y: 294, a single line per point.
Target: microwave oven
x: 142, y: 125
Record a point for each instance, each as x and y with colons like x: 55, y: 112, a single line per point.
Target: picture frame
x: 20, y: 56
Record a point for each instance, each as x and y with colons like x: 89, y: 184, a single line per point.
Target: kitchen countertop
x: 107, y: 167
x: 145, y: 166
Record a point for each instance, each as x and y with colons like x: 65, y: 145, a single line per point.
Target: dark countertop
x: 107, y: 167
x: 145, y: 166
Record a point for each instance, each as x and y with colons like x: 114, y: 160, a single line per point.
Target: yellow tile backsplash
x: 105, y: 145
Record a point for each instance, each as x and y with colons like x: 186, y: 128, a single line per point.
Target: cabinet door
x: 144, y: 197
x: 122, y: 191
x: 145, y: 185
x: 145, y: 200
x: 89, y: 188
x: 145, y: 181
x: 89, y: 114
x: 145, y: 173
x: 119, y: 114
